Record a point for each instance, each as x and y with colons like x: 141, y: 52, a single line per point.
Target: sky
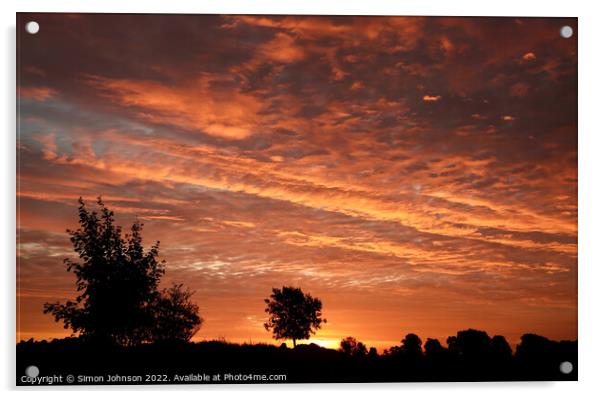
x: 417, y: 174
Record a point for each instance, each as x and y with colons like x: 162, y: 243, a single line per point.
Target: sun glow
x: 325, y: 342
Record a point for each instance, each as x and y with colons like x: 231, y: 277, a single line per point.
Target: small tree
x: 411, y: 345
x: 352, y: 347
x: 176, y: 317
x: 500, y: 349
x: 372, y: 353
x: 473, y: 345
x: 433, y: 348
x: 293, y: 314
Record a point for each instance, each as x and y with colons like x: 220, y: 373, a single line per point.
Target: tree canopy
x: 352, y: 347
x: 117, y: 281
x: 293, y: 314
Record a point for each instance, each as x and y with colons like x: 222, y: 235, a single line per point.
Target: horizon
x: 418, y: 175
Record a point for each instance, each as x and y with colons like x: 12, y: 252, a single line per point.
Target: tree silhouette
x: 117, y: 284
x: 433, y: 348
x: 373, y: 353
x: 473, y: 344
x: 500, y: 349
x: 352, y: 347
x: 176, y: 317
x: 533, y: 346
x: 293, y: 314
x: 542, y: 356
x: 411, y: 346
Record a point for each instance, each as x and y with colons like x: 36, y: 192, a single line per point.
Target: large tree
x: 293, y: 314
x: 117, y: 283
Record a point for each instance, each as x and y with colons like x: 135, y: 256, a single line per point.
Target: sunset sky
x: 416, y: 174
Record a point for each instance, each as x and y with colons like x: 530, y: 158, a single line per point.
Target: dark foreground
x: 73, y: 362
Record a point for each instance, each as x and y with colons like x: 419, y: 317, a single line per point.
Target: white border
x: 590, y: 199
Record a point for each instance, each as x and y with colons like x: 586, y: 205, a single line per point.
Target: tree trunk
x: 294, y: 342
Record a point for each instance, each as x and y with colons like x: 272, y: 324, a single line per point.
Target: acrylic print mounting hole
x: 32, y: 27
x: 566, y: 367
x: 32, y: 371
x: 566, y: 31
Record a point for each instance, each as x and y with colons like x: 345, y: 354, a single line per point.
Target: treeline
x: 470, y: 356
x: 473, y: 355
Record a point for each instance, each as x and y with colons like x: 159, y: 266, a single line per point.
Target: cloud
x: 225, y: 113
x: 282, y: 49
x: 519, y: 89
x: 429, y: 98
x: 529, y: 56
x: 36, y: 93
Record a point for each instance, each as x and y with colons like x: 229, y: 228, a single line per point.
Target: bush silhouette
x: 293, y: 314
x: 117, y: 282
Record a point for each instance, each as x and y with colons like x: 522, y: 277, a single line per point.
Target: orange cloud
x: 37, y: 93
x: 519, y: 89
x: 226, y: 113
x: 357, y: 85
x: 282, y: 49
x: 447, y: 44
x: 529, y: 56
x: 429, y: 98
